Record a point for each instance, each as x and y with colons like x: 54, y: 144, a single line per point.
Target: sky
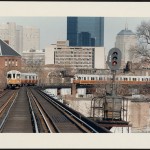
x: 53, y: 29
x: 50, y: 17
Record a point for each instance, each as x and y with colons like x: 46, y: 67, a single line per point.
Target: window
x: 100, y: 78
x: 9, y: 76
x: 18, y: 76
x: 134, y: 79
x: 6, y: 63
x: 12, y: 62
x: 13, y: 75
x: 16, y: 63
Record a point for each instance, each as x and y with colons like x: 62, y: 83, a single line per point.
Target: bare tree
x: 142, y: 50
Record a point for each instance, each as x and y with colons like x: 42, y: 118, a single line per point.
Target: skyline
x: 53, y: 29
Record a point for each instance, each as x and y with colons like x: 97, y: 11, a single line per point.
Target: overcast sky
x: 50, y: 17
x: 53, y: 29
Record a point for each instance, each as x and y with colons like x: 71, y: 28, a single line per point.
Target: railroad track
x: 29, y: 110
x: 59, y: 119
x: 17, y: 118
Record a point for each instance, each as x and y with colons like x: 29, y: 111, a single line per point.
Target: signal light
x: 114, y: 59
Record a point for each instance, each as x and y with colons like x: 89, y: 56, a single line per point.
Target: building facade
x: 34, y: 57
x: 20, y: 38
x: 9, y: 60
x: 75, y: 57
x: 125, y: 39
x: 85, y: 31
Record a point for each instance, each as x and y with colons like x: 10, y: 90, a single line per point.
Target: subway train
x: 104, y: 79
x: 17, y: 79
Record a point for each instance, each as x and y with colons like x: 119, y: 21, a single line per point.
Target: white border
x: 106, y: 9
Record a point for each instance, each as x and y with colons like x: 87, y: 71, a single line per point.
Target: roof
x: 126, y: 32
x: 6, y: 50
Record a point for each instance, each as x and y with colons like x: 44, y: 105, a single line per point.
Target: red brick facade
x: 8, y: 63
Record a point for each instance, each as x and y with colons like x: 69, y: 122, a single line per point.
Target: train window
x: 142, y: 79
x: 29, y: 77
x: 100, y: 78
x: 9, y: 76
x: 84, y: 78
x: 33, y: 77
x: 13, y: 75
x: 146, y: 79
x: 18, y: 76
x: 25, y: 77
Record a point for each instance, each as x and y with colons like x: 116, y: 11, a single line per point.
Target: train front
x: 13, y: 79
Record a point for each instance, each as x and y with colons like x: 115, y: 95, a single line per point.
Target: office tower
x: 85, y: 31
x: 75, y: 57
x: 125, y: 39
x: 20, y: 38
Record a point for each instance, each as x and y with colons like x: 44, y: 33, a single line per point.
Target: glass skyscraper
x: 85, y: 31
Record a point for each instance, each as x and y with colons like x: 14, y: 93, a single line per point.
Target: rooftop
x: 6, y: 50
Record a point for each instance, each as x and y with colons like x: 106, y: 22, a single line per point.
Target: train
x: 104, y: 79
x: 17, y: 79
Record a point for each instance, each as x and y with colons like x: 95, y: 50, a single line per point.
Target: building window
x: 13, y: 62
x: 16, y: 63
x: 6, y: 63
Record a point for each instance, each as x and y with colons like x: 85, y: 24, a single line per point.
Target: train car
x: 17, y: 79
x: 13, y: 78
x: 104, y: 79
x: 29, y: 79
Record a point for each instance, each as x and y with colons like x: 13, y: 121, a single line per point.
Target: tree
x: 142, y: 50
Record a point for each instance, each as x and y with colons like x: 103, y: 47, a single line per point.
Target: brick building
x: 9, y: 60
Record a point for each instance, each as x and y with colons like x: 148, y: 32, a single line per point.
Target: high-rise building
x: 85, y: 31
x: 20, y: 38
x: 75, y: 57
x: 125, y: 39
